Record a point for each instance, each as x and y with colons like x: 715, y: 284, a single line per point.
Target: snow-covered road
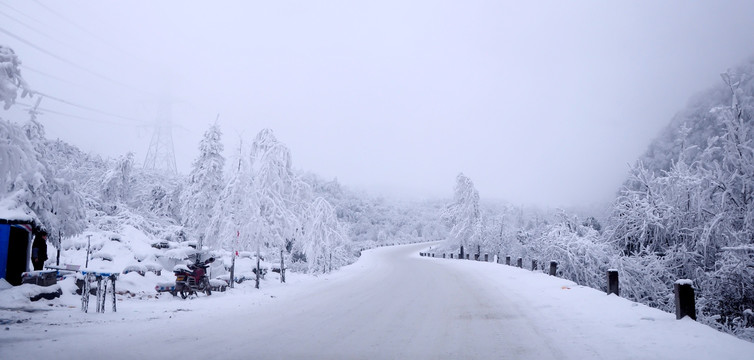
x: 391, y: 304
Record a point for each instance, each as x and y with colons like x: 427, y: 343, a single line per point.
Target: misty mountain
x: 693, y: 127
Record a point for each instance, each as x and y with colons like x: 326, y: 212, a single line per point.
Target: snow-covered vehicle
x: 192, y: 279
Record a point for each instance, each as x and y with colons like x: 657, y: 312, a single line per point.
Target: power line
x: 84, y: 30
x: 102, y: 112
x: 56, y: 78
x: 22, y: 13
x: 68, y: 61
x: 45, y: 110
x: 65, y: 43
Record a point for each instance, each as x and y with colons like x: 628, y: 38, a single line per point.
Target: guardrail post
x: 451, y: 255
x: 486, y: 257
x: 520, y: 263
x: 534, y: 265
x: 461, y: 256
x: 443, y: 255
x: 507, y: 260
x: 612, y: 282
x: 685, y: 304
x: 553, y: 268
x: 467, y: 256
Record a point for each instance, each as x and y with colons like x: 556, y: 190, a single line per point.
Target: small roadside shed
x: 17, y: 233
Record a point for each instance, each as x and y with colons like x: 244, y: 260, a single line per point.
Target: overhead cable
x: 2, y: 30
x: 86, y: 107
x: 45, y: 110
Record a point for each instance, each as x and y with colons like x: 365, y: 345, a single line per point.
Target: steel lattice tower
x: 161, y: 155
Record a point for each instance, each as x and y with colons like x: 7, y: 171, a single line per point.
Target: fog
x: 543, y: 103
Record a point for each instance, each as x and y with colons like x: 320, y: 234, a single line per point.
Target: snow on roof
x: 10, y: 210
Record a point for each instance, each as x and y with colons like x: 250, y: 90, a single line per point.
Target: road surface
x: 391, y: 304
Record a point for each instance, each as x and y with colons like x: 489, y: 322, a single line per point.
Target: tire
x: 207, y: 287
x: 184, y: 290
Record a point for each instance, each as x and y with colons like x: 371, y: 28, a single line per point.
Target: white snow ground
x: 391, y: 304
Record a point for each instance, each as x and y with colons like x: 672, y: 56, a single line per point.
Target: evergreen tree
x: 463, y: 215
x: 204, y: 184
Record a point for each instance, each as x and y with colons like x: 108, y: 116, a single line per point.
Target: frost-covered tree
x: 325, y: 243
x: 277, y: 190
x: 235, y: 217
x: 11, y: 80
x: 463, y: 215
x: 204, y: 184
x: 117, y: 181
x: 29, y: 185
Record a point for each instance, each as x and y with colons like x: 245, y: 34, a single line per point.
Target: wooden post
x: 461, y: 256
x: 685, y: 304
x: 282, y: 267
x: 88, y: 249
x: 520, y: 263
x: 486, y: 257
x: 507, y: 260
x: 476, y: 256
x: 534, y: 265
x: 467, y: 256
x: 553, y: 267
x: 443, y: 255
x: 612, y: 282
x: 451, y: 255
x: 57, y: 258
x: 232, y: 268
x: 112, y: 278
x: 258, y: 271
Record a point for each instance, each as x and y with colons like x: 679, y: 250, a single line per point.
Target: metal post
x: 612, y: 282
x: 685, y: 303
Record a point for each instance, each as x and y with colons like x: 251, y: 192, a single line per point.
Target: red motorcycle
x: 192, y: 279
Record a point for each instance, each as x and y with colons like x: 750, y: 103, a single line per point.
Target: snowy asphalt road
x: 400, y: 306
x: 391, y: 304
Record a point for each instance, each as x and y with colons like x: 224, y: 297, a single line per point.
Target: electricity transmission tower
x: 161, y: 155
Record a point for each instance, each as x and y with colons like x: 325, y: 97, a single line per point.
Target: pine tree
x: 205, y: 183
x: 463, y: 215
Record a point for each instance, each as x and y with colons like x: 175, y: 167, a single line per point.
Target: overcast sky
x: 540, y: 103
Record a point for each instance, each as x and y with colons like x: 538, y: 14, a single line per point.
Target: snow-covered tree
x: 235, y: 218
x: 29, y: 184
x: 205, y: 182
x: 463, y: 215
x: 277, y: 190
x: 325, y: 243
x: 117, y: 182
x: 11, y: 80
